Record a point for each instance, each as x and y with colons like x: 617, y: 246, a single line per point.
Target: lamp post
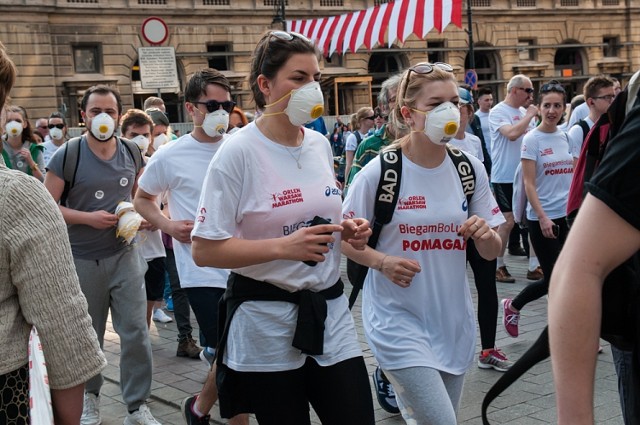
x: 472, y: 61
x: 279, y: 20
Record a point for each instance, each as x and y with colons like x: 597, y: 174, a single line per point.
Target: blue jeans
x: 623, y: 361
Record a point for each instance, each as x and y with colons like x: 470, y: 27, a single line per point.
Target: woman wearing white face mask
x: 417, y: 310
x: 264, y: 193
x: 19, y: 150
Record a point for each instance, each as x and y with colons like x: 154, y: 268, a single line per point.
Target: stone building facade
x: 61, y: 47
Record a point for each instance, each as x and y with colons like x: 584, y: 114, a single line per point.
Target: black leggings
x: 340, y: 394
x: 547, y: 251
x: 484, y: 274
x: 14, y: 397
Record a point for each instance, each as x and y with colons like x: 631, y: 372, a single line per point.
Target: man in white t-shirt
x: 509, y: 120
x: 57, y: 128
x: 599, y: 94
x: 179, y: 169
x: 485, y: 102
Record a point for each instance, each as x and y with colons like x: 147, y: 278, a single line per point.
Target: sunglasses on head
x: 425, y: 68
x: 280, y: 35
x: 214, y: 105
x: 60, y: 126
x: 552, y: 86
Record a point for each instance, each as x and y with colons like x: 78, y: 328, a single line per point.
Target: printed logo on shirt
x: 99, y: 194
x: 349, y: 215
x: 202, y: 215
x: 290, y: 228
x: 465, y: 207
x: 495, y: 211
x: 432, y: 244
x: 286, y: 197
x: 414, y: 202
x: 328, y: 191
x: 547, y: 151
x: 558, y: 167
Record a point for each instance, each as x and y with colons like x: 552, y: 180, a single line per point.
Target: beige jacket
x: 39, y: 286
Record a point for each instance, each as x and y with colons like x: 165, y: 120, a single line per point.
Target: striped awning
x: 380, y: 25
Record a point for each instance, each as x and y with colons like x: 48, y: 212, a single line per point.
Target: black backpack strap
x: 70, y: 162
x: 585, y: 128
x: 534, y: 355
x: 134, y: 151
x: 465, y: 171
x: 385, y: 202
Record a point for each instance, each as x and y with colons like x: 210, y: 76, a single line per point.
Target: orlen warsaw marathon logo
x: 286, y: 197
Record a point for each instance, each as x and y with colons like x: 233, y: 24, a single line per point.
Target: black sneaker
x: 384, y: 389
x: 517, y: 251
x: 188, y: 415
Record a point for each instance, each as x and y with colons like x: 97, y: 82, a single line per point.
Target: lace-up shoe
x: 494, y: 359
x: 510, y: 318
x: 384, y: 389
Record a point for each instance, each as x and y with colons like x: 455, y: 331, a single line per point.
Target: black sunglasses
x: 384, y: 117
x: 529, y: 90
x: 60, y: 126
x: 372, y: 117
x: 424, y: 68
x: 553, y: 86
x: 214, y: 105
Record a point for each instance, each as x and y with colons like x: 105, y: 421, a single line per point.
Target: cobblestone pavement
x: 530, y: 401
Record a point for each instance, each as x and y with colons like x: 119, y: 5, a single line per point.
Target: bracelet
x: 34, y: 166
x: 382, y: 263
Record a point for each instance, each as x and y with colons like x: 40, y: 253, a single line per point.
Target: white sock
x: 500, y: 262
x: 533, y: 263
x: 194, y: 408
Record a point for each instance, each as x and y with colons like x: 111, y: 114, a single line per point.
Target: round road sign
x: 155, y: 30
x: 471, y: 78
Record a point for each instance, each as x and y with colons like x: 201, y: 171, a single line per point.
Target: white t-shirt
x: 179, y: 170
x: 486, y: 130
x: 150, y: 243
x: 576, y: 137
x: 471, y: 144
x: 505, y: 154
x: 49, y: 149
x: 255, y: 190
x: 581, y: 112
x: 352, y: 142
x: 554, y: 171
x: 432, y: 322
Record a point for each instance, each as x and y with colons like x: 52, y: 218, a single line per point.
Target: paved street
x: 529, y: 402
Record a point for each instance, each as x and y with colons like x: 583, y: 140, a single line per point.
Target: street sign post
x: 158, y: 67
x: 471, y: 78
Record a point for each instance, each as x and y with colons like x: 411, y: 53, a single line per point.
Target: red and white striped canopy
x: 397, y: 20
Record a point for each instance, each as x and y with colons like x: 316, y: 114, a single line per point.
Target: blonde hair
x: 8, y: 74
x: 363, y: 112
x: 409, y: 91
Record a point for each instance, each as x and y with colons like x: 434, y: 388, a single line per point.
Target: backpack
x: 621, y: 289
x: 387, y: 198
x: 71, y: 159
x: 34, y: 149
x: 585, y: 129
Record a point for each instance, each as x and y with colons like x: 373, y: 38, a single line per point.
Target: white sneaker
x: 160, y: 316
x: 91, y: 410
x: 142, y: 416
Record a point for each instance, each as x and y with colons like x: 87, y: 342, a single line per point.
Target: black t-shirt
x: 616, y: 182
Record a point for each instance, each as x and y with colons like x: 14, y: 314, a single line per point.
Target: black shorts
x: 154, y: 279
x: 504, y: 196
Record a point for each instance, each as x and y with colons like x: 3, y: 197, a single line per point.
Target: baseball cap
x: 466, y: 98
x: 157, y: 116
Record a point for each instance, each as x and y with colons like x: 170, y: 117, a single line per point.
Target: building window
x: 275, y: 2
x: 379, y: 2
x: 331, y: 3
x: 526, y: 3
x: 569, y: 3
x: 610, y: 2
x: 335, y: 60
x: 215, y: 2
x: 86, y: 58
x: 82, y: 1
x: 219, y: 59
x: 525, y: 50
x: 434, y: 54
x: 480, y: 3
x: 611, y: 48
x: 158, y: 2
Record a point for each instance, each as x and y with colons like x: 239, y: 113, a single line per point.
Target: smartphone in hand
x: 556, y: 230
x: 316, y: 221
